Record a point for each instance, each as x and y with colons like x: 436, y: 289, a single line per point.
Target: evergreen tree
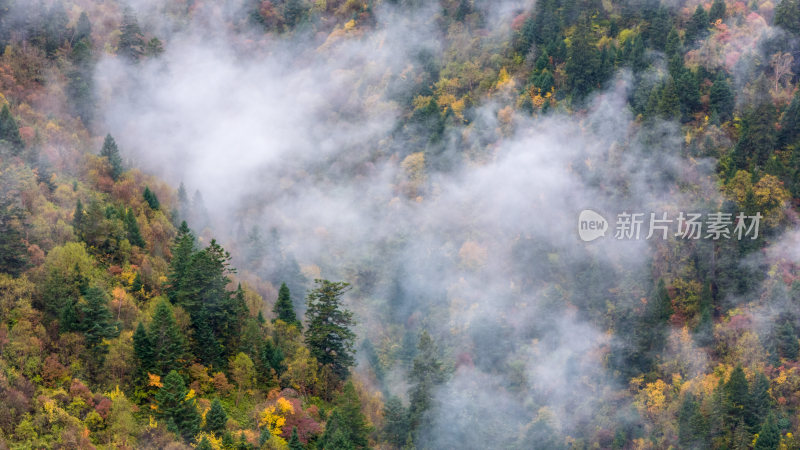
x: 692, y: 426
x: 9, y: 131
x: 204, y: 444
x: 13, y: 250
x: 263, y: 438
x: 151, y: 199
x: 757, y: 138
x: 272, y: 359
x: 131, y: 40
x: 336, y: 435
x: 787, y: 15
x: 294, y: 441
x: 736, y: 394
x: 96, y: 320
x: 179, y: 412
x: 111, y: 152
x: 395, y: 428
x: 132, y: 227
x: 583, y: 62
x: 206, y: 346
x: 717, y: 11
x: 178, y: 275
x: 790, y: 123
x: 787, y: 344
x: 769, y: 437
x: 137, y: 285
x: 721, y: 99
x: 293, y: 12
x: 284, y: 309
x: 83, y: 28
x: 674, y: 46
x: 143, y: 350
x: 758, y: 404
x: 77, y: 218
x: 329, y: 335
x: 697, y: 26
x: 216, y: 418
x: 427, y: 372
x: 168, y: 347
x: 669, y: 105
x: 354, y: 423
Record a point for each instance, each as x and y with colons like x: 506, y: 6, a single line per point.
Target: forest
x: 349, y: 224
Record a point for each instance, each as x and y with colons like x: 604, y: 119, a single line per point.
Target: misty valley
x: 399, y: 224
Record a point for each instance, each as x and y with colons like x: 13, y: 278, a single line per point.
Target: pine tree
x: 395, y: 428
x: 131, y: 41
x: 179, y: 412
x: 111, y: 152
x: 151, y: 199
x: 722, y: 99
x: 697, y: 26
x: 757, y: 138
x: 13, y: 250
x: 354, y: 423
x: 759, y: 402
x: 583, y: 62
x: 178, y: 274
x: 272, y: 359
x: 168, y: 345
x: 9, y: 131
x: 674, y: 46
x: 692, y: 426
x: 216, y: 418
x: 329, y: 335
x: 790, y: 123
x: 294, y: 441
x: 787, y: 15
x: 427, y: 372
x: 769, y: 437
x: 788, y: 346
x: 284, y: 309
x: 96, y: 320
x: 736, y: 394
x: 204, y: 444
x: 132, y: 228
x: 143, y: 350
x: 137, y: 285
x: 336, y: 435
x: 717, y: 11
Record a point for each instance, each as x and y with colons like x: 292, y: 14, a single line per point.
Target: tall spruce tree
x: 216, y: 418
x: 9, y: 131
x: 111, y: 152
x: 168, y: 345
x: 151, y: 199
x: 284, y: 308
x: 131, y: 40
x: 175, y: 408
x: 329, y: 335
x: 132, y: 228
x: 294, y: 441
x: 427, y: 372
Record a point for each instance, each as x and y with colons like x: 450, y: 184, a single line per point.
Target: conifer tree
x: 96, y: 320
x: 13, y: 250
x: 721, y: 99
x: 179, y: 411
x: 329, y: 335
x: 182, y: 251
x: 787, y: 15
x: 788, y: 346
x: 284, y: 309
x: 717, y: 11
x: 204, y: 444
x: 294, y: 441
x: 168, y: 346
x: 769, y: 436
x: 427, y: 372
x: 759, y: 402
x: 216, y: 418
x: 151, y: 199
x: 9, y: 131
x: 131, y: 40
x: 395, y: 428
x: 736, y: 394
x: 132, y: 227
x: 354, y: 423
x: 790, y: 123
x: 697, y: 26
x: 111, y: 152
x: 143, y: 350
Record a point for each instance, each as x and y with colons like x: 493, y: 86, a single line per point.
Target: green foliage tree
x: 757, y: 138
x: 131, y: 40
x: 9, y: 131
x: 769, y: 437
x: 96, y: 320
x: 216, y: 418
x: 427, y: 372
x: 180, y: 413
x: 284, y: 308
x: 151, y: 199
x: 395, y: 429
x: 132, y: 227
x: 583, y: 62
x: 354, y: 423
x: 788, y: 346
x: 294, y: 441
x: 111, y: 152
x: 204, y: 444
x: 787, y: 15
x: 336, y: 435
x: 717, y: 11
x: 692, y: 425
x: 168, y: 346
x: 737, y: 394
x: 13, y: 250
x: 721, y: 99
x: 697, y: 26
x: 329, y: 335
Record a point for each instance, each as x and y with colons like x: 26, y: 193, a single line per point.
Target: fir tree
x: 151, y: 199
x: 179, y: 412
x: 736, y: 394
x: 284, y: 309
x: 354, y: 424
x: 336, y: 435
x: 427, y: 372
x: 177, y: 277
x: 143, y: 350
x: 790, y: 123
x: 13, y: 249
x: 329, y: 335
x: 721, y: 98
x: 583, y: 62
x: 717, y: 11
x: 83, y: 28
x: 787, y: 15
x: 787, y: 344
x: 216, y: 418
x: 264, y: 437
x: 769, y: 437
x: 697, y: 26
x: 294, y: 441
x: 204, y: 444
x: 692, y: 426
x: 131, y: 41
x: 9, y: 131
x: 111, y: 152
x: 96, y: 319
x: 132, y: 228
x: 167, y: 342
x: 758, y: 403
x: 395, y: 428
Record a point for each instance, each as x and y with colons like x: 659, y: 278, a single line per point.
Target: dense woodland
x: 124, y: 323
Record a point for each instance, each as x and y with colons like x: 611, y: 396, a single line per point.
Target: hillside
x: 348, y: 224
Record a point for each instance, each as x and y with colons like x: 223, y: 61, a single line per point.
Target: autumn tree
x: 243, y: 373
x: 329, y: 335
